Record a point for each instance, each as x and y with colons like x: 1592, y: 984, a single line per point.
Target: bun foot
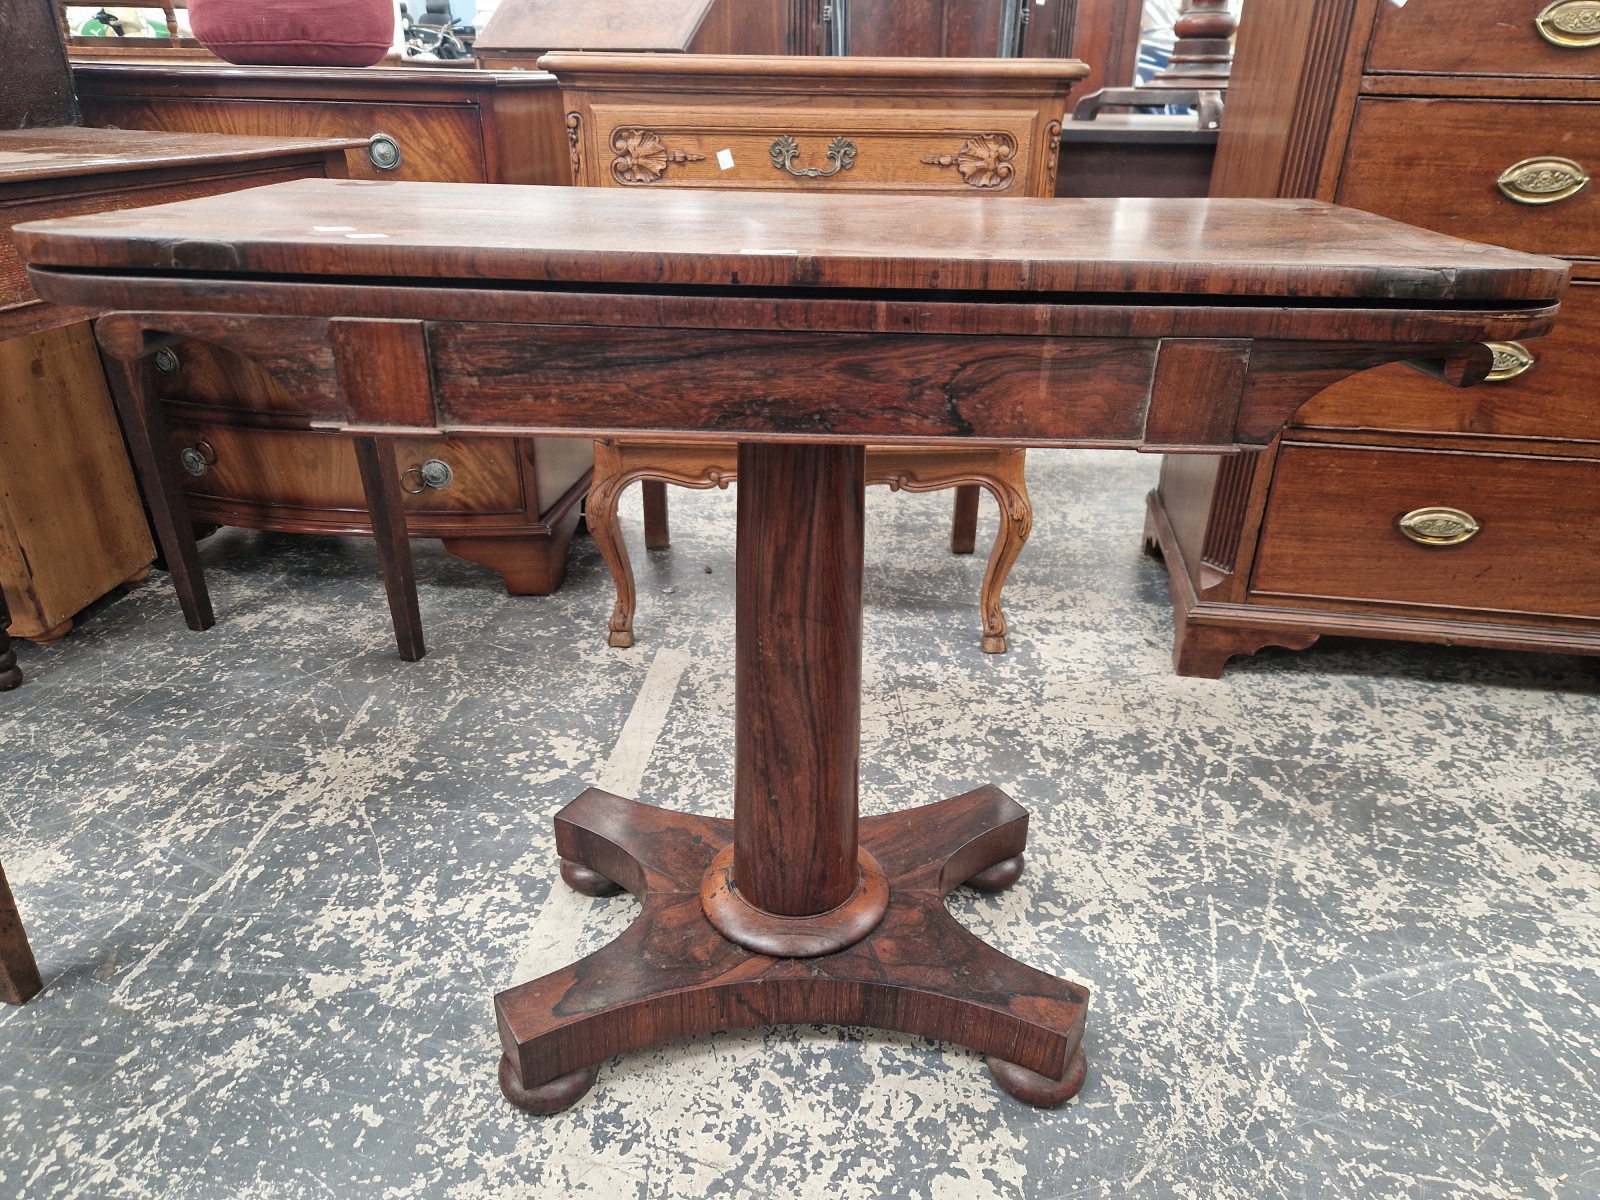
x: 591, y: 883
x: 998, y: 877
x: 553, y: 1097
x: 1033, y: 1088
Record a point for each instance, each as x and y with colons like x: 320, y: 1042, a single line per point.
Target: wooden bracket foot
x: 672, y: 975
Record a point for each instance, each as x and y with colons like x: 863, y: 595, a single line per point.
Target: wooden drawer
x: 982, y: 152
x: 1487, y: 37
x: 1435, y: 163
x: 1331, y: 533
x: 439, y: 143
x: 301, y: 471
x: 1554, y: 398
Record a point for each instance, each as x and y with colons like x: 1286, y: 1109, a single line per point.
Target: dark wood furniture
x: 71, y: 524
x: 522, y: 30
x: 252, y: 457
x: 807, y: 326
x: 19, y: 972
x: 1478, y: 121
x: 982, y: 127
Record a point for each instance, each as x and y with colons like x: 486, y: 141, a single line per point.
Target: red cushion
x: 303, y: 33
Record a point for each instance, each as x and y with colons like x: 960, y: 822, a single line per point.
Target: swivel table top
x: 802, y: 326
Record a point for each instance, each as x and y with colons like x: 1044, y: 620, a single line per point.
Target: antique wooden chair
x: 619, y: 463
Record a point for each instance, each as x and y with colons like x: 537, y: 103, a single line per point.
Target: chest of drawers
x: 1481, y: 121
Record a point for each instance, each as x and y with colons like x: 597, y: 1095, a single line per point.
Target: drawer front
x: 1551, y: 395
x: 1438, y: 163
x: 1331, y: 530
x: 862, y: 149
x: 438, y: 143
x: 316, y: 472
x: 14, y: 286
x: 1488, y: 37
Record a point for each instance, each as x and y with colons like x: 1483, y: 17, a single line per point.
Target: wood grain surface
x: 618, y: 236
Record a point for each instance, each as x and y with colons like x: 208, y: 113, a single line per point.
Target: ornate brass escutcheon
x: 841, y: 153
x: 1438, y: 526
x: 1570, y: 24
x: 1510, y: 360
x: 1543, y: 180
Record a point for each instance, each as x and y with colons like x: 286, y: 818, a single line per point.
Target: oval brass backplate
x: 1510, y: 360
x: 1438, y: 526
x: 1543, y: 180
x: 1570, y: 24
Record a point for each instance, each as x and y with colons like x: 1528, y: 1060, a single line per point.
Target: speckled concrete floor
x: 1340, y: 910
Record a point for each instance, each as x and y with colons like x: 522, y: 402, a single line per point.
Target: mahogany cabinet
x: 71, y: 525
x: 250, y: 455
x: 1469, y: 521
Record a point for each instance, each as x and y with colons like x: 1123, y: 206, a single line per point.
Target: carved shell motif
x: 642, y: 157
x: 984, y: 162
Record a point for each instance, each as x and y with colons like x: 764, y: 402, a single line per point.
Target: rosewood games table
x: 804, y: 326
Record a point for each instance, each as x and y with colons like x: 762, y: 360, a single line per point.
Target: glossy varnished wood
x: 796, y: 838
x: 671, y: 975
x: 468, y: 232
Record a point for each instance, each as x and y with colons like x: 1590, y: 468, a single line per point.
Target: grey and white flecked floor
x: 1340, y: 910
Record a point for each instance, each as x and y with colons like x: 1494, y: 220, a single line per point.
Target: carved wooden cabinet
x: 979, y: 127
x: 247, y: 446
x: 1471, y: 521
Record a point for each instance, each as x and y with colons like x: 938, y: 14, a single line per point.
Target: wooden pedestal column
x: 795, y: 911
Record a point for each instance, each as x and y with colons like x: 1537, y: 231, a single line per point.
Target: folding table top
x: 1298, y: 251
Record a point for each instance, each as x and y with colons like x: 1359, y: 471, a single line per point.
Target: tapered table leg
x: 19, y: 973
x: 380, y: 479
x: 796, y: 911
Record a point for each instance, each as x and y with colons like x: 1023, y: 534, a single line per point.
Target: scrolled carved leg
x: 600, y: 511
x: 1016, y: 523
x: 657, y: 536
x: 964, y: 520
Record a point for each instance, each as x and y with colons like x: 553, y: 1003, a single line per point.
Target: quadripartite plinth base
x: 672, y: 975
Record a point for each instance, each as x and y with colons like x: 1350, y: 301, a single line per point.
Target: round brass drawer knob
x: 1510, y: 360
x: 383, y: 152
x: 1570, y: 24
x: 1543, y: 180
x: 198, y: 458
x: 1438, y: 526
x: 167, y: 362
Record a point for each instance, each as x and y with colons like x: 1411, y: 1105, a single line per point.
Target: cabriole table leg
x: 796, y: 911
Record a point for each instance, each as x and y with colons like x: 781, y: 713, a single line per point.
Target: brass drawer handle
x: 1543, y: 180
x: 1438, y: 526
x: 198, y: 458
x: 431, y: 474
x: 1570, y: 24
x: 383, y: 152
x: 785, y: 150
x: 1510, y: 360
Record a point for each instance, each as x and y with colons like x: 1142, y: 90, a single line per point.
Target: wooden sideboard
x: 1479, y: 122
x: 247, y: 446
x: 975, y: 127
x: 71, y: 524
